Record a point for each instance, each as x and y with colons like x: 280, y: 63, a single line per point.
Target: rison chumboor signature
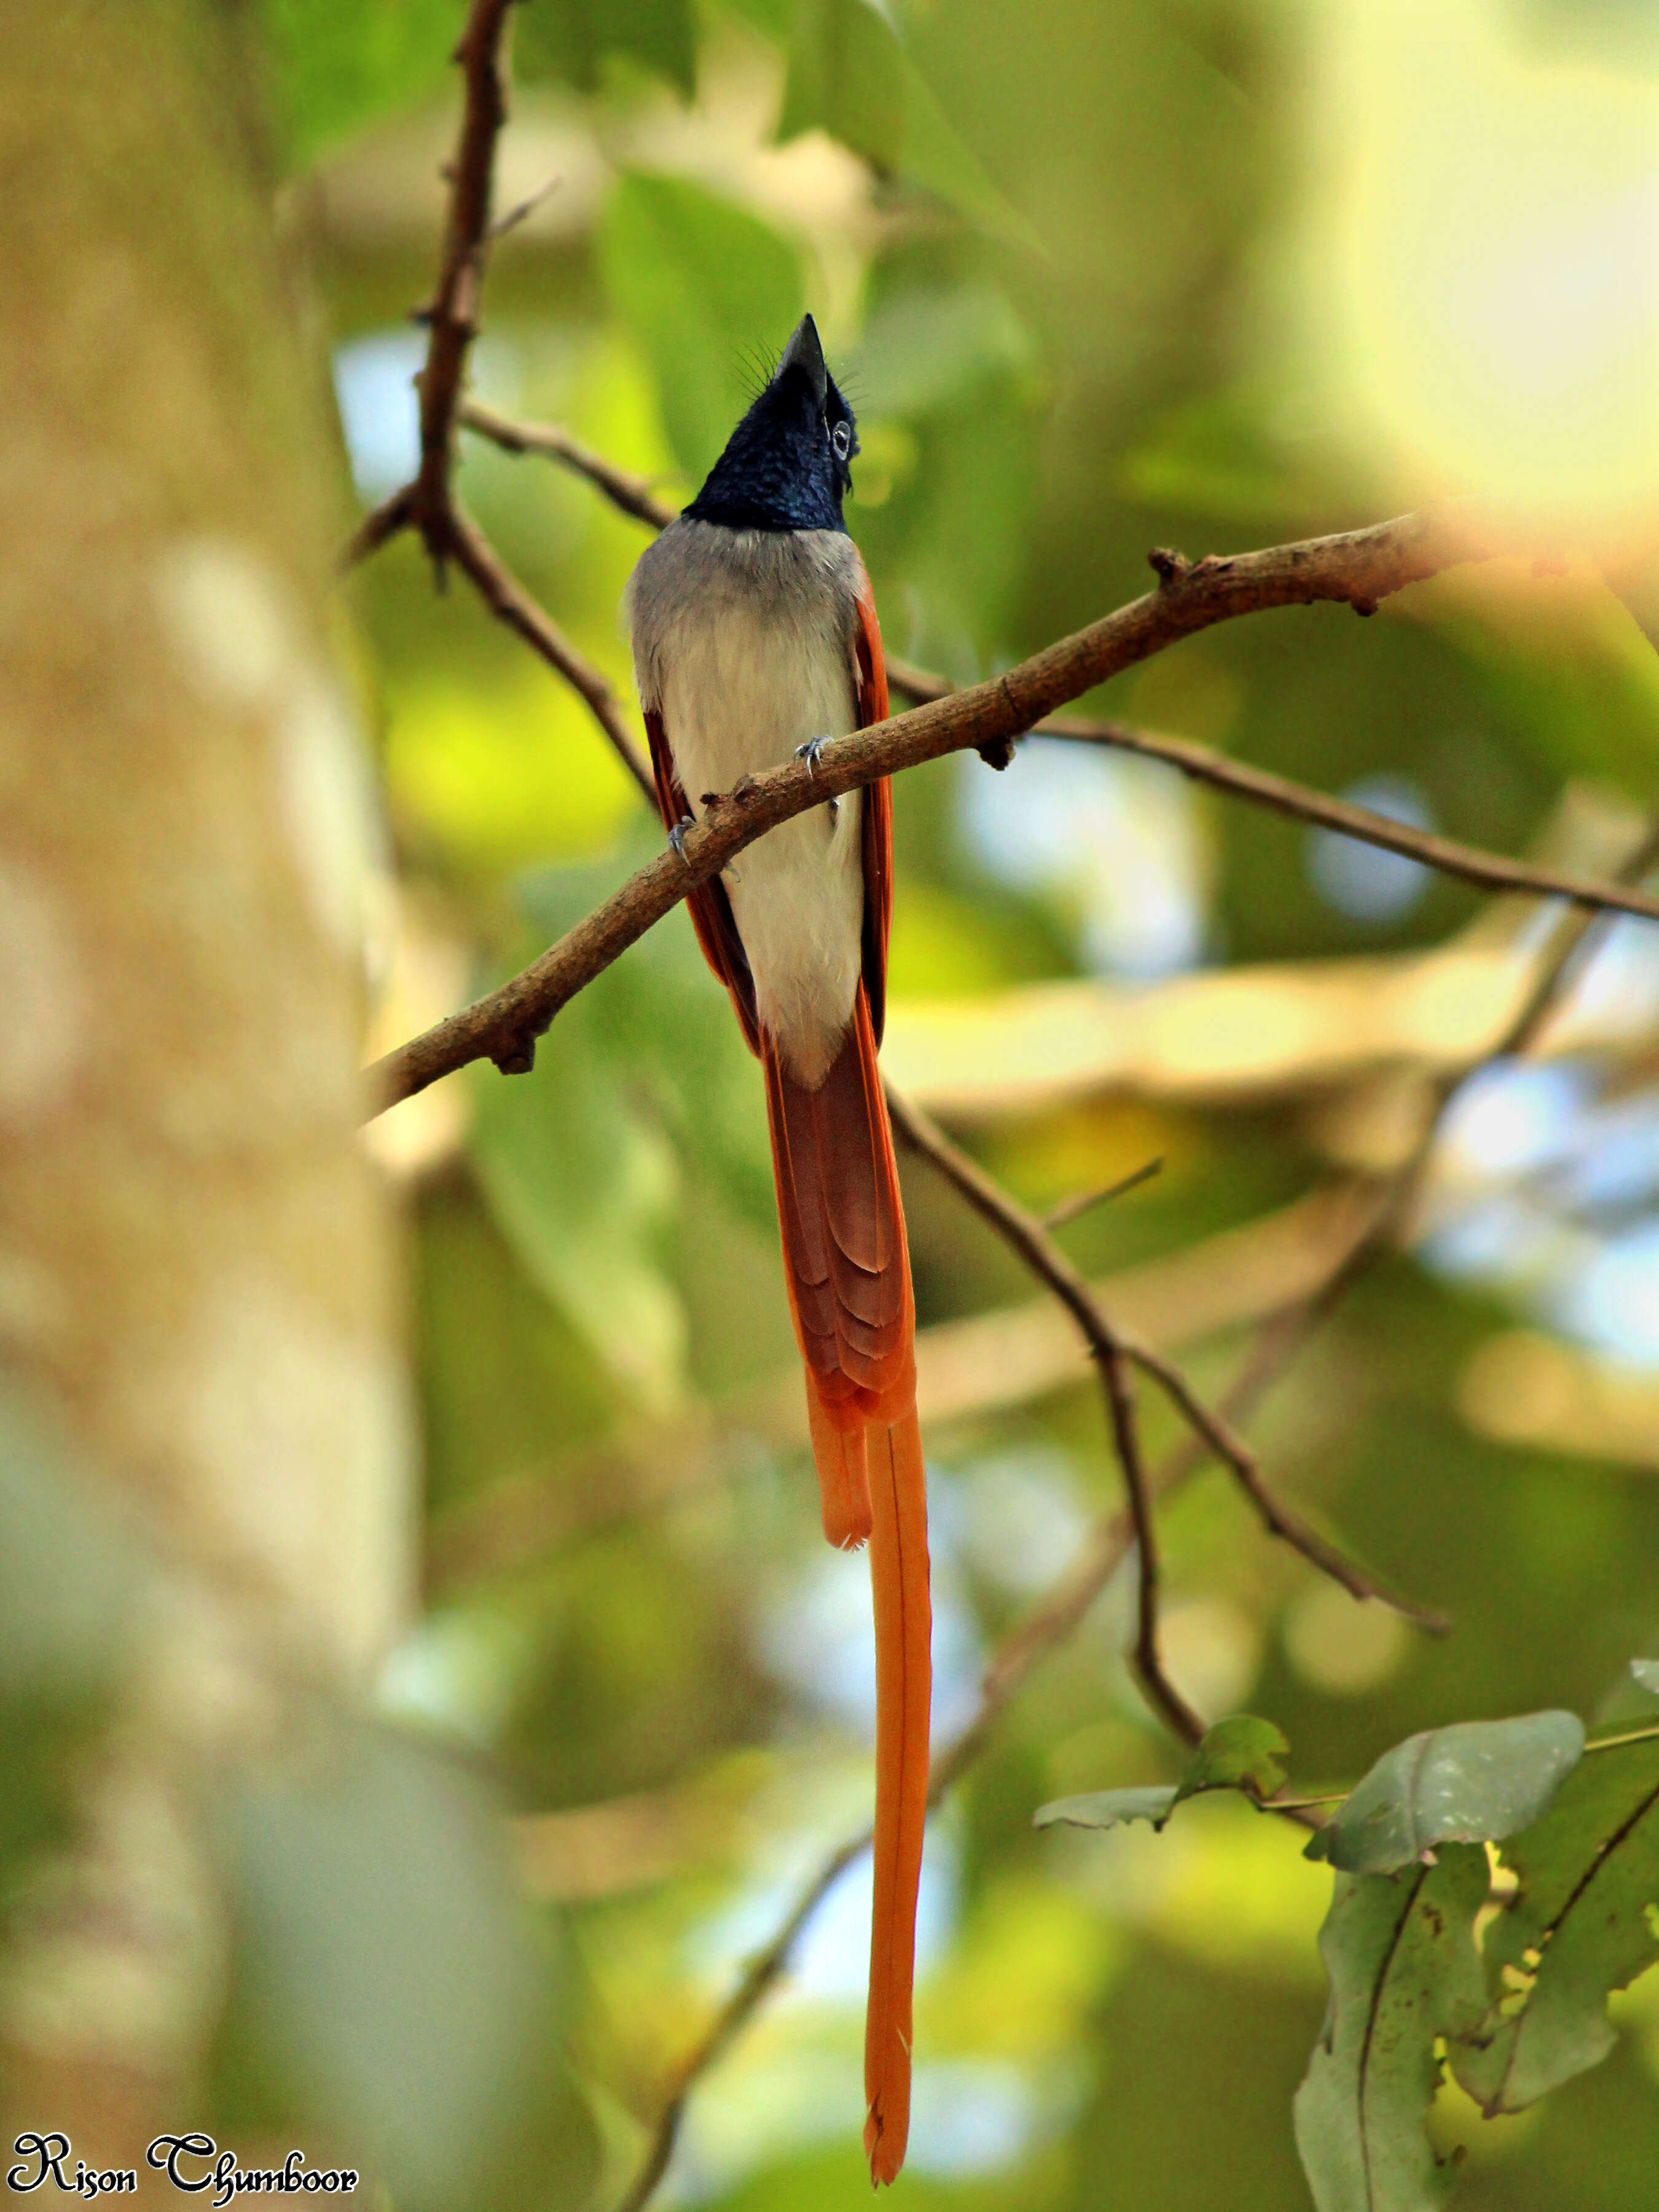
x: 193, y: 2163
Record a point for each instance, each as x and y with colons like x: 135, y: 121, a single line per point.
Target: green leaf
x: 1646, y: 1672
x: 1476, y: 1781
x: 1579, y: 1927
x: 700, y: 285
x: 1400, y: 1956
x: 391, y: 1983
x: 1108, y: 1809
x: 1241, y: 1752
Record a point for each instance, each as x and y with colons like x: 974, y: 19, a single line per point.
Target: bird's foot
x: 677, y: 837
x: 811, y: 752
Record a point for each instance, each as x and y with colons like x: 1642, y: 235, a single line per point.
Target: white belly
x: 741, y: 679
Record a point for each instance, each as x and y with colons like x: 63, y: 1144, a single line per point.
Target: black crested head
x: 787, y: 463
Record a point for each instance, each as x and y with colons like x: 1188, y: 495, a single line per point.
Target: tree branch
x: 1355, y: 567
x: 634, y: 496
x: 428, y: 503
x: 452, y: 318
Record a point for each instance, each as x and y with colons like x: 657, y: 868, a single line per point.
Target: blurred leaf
x: 845, y: 77
x: 925, y: 347
x: 1108, y: 1809
x: 67, y: 1596
x: 1241, y: 1752
x: 1400, y: 1955
x: 338, y: 68
x: 668, y: 1026
x: 1474, y: 1782
x: 392, y: 1980
x: 582, y: 1186
x: 1579, y: 1926
x: 580, y: 1162
x: 1646, y: 1672
x: 850, y: 76
x: 1575, y: 679
x: 936, y: 154
x: 702, y: 285
x: 1215, y: 456
x: 572, y: 39
x: 495, y: 776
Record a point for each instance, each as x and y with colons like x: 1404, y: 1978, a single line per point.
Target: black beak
x: 803, y: 352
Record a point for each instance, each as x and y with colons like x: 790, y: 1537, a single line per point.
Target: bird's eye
x: 841, y: 439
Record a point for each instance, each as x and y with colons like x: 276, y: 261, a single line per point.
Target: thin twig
x: 509, y: 602
x: 633, y: 494
x: 380, y: 524
x: 1029, y: 1237
x: 522, y: 210
x: 1073, y: 1209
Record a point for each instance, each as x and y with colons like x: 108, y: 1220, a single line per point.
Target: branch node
x: 998, y: 754
x: 1169, y: 566
x: 1364, y: 606
x: 516, y: 1057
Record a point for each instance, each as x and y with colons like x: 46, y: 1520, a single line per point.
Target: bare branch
x: 1029, y: 1237
x: 452, y: 318
x: 632, y: 493
x: 506, y: 599
x: 634, y: 496
x: 1358, y: 566
x: 427, y: 502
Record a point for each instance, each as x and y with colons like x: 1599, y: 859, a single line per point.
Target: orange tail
x: 848, y: 1272
x: 899, y: 1577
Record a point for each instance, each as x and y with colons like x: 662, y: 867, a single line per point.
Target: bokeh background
x: 1208, y: 273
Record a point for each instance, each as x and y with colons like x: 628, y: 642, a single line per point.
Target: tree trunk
x: 194, y: 1256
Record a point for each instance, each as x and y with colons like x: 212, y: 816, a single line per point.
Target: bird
x: 754, y: 640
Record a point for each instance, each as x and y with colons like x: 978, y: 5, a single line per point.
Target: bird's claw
x: 677, y: 837
x: 811, y: 752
